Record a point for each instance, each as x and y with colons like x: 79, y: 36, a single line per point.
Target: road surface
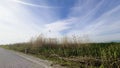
x: 11, y: 59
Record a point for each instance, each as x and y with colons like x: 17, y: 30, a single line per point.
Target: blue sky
x: 22, y: 19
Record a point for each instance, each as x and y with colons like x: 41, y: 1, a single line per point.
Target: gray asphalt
x: 9, y: 59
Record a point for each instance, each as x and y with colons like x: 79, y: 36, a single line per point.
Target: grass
x: 71, y: 52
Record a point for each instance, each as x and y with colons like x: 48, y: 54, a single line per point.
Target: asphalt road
x: 9, y: 59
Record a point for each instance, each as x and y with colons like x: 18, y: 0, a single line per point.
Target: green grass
x: 95, y: 54
x: 73, y: 55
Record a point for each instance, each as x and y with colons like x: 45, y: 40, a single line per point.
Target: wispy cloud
x: 33, y: 5
x: 18, y: 24
x: 107, y: 23
x: 20, y: 20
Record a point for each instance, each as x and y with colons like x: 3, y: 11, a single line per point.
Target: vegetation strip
x: 72, y: 55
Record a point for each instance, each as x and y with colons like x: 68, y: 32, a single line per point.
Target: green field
x: 72, y: 55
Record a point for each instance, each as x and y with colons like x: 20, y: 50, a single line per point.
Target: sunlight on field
x: 69, y: 51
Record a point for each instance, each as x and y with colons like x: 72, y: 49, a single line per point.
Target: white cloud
x: 106, y: 38
x: 34, y: 5
x: 108, y: 23
x: 104, y: 24
x: 58, y: 25
x: 18, y: 24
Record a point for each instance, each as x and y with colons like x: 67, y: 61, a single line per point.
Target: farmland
x: 73, y: 54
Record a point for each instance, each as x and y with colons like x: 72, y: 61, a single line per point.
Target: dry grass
x: 73, y: 51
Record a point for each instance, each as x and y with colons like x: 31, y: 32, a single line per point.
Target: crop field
x: 72, y: 54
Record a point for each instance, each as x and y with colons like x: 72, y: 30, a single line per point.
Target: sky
x: 20, y: 20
